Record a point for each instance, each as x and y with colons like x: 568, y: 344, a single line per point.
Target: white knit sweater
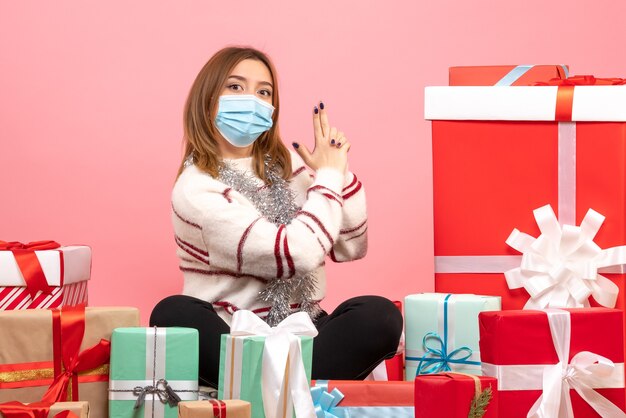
x: 228, y: 252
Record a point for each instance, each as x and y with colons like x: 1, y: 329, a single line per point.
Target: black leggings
x: 351, y: 342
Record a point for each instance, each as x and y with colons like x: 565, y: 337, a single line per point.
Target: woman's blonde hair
x: 200, y: 111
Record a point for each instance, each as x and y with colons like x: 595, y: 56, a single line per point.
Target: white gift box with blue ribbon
x: 442, y: 332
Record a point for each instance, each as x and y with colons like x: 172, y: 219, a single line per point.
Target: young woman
x: 254, y: 225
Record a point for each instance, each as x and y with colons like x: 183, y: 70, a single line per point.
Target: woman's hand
x: 331, y: 146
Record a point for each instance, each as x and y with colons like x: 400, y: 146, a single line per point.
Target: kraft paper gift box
x: 363, y: 399
x: 501, y: 152
x: 268, y: 367
x: 43, y: 275
x: 455, y: 395
x: 147, y: 365
x: 504, y: 75
x: 442, y: 332
x: 543, y: 358
x: 45, y: 410
x: 41, y: 345
x: 213, y: 408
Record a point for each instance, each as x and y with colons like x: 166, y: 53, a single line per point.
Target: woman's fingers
x: 304, y: 153
x: 317, y: 126
x: 324, y: 121
x: 333, y: 136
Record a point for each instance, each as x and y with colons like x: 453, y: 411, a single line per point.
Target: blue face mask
x: 242, y: 118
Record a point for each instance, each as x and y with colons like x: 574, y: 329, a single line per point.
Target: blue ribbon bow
x: 325, y: 402
x: 437, y: 360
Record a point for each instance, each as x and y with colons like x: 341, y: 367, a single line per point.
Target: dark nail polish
x: 332, y: 141
x: 321, y: 105
x: 338, y: 144
x: 295, y: 145
x: 316, y: 110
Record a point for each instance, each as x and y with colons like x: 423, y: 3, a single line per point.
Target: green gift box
x: 241, y: 371
x: 442, y: 332
x: 151, y: 369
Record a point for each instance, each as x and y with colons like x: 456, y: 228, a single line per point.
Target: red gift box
x: 509, y: 75
x: 450, y: 395
x: 43, y: 275
x: 518, y: 347
x: 366, y: 398
x: 501, y: 152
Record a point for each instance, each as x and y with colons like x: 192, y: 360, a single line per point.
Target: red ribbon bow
x: 565, y: 93
x: 33, y: 410
x: 68, y: 331
x: 29, y: 265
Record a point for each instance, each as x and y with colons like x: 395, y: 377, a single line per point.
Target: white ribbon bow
x: 284, y: 383
x: 581, y: 374
x: 560, y: 268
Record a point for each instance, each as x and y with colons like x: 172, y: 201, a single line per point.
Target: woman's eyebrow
x: 242, y: 78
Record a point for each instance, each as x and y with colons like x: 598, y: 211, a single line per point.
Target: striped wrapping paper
x: 67, y: 269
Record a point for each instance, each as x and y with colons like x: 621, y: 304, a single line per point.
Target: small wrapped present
x: 44, y: 410
x: 456, y: 395
x: 268, y: 367
x: 43, y: 274
x: 558, y: 363
x: 152, y: 369
x: 59, y: 355
x: 442, y: 332
x: 233, y: 408
x: 363, y: 399
x: 505, y: 75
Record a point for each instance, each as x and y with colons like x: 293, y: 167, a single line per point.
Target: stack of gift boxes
x: 522, y: 323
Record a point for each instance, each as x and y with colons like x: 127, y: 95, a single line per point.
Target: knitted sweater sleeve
x: 239, y: 239
x: 351, y: 243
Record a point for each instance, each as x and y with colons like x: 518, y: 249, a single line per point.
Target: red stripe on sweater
x: 354, y: 180
x: 196, y: 249
x: 191, y: 253
x: 279, y: 259
x: 230, y: 308
x: 358, y: 235
x: 241, y: 242
x: 356, y: 228
x: 326, y: 189
x: 221, y: 273
x: 185, y: 220
x: 319, y: 224
x: 226, y: 196
x: 313, y: 232
x: 298, y: 171
x: 356, y: 189
x: 292, y: 268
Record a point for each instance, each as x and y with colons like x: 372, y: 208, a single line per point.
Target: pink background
x: 91, y: 97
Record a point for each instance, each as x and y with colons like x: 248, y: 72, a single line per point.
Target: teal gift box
x: 441, y: 332
x: 151, y: 369
x: 241, y: 370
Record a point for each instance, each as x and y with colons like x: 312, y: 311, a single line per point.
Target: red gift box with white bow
x: 501, y: 152
x: 555, y: 362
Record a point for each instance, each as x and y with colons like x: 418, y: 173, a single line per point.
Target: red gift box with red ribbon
x: 501, y: 152
x: 59, y: 355
x: 566, y: 362
x: 43, y: 274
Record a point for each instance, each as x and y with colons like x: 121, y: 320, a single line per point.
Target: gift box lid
x: 71, y: 263
x: 505, y: 75
x: 597, y: 103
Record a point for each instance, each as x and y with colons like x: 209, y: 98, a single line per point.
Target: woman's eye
x: 265, y: 93
x: 235, y: 87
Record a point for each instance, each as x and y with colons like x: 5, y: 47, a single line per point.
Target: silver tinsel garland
x: 276, y: 202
